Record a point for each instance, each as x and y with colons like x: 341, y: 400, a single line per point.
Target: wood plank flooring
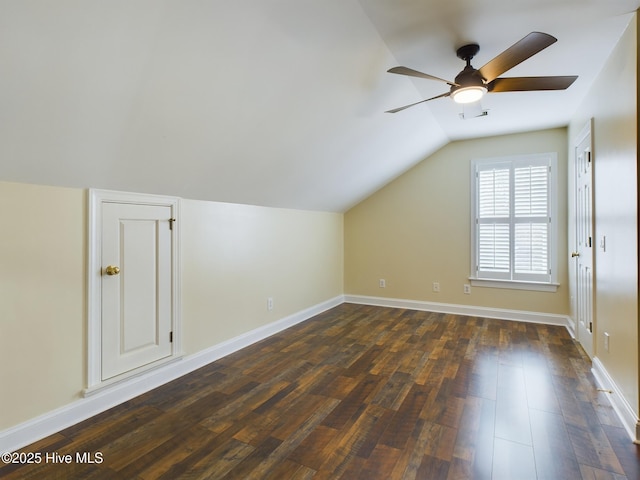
x: 365, y: 392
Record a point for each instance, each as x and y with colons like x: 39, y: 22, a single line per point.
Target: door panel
x: 137, y: 301
x: 583, y: 253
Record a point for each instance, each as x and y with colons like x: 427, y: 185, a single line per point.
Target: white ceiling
x: 269, y: 102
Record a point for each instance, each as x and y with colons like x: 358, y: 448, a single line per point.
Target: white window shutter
x: 531, y: 222
x: 494, y: 251
x: 512, y: 225
x: 531, y: 251
x: 493, y: 193
x: 493, y: 229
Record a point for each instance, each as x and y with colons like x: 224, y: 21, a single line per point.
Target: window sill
x: 514, y: 285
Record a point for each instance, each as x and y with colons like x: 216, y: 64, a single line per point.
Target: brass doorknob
x: 112, y: 270
x: 575, y: 254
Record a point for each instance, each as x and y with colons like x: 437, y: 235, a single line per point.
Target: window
x: 513, y: 221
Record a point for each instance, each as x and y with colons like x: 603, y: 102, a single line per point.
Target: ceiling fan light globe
x: 468, y: 94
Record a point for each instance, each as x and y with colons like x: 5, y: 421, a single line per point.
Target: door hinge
x: 590, y: 327
x: 589, y: 244
x: 171, y: 220
x: 170, y: 337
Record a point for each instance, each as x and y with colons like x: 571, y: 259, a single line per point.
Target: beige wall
x: 42, y: 300
x: 416, y: 230
x: 612, y: 103
x: 234, y: 257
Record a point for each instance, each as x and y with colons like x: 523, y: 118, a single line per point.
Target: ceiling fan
x: 471, y: 84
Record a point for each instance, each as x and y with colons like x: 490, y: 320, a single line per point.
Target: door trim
x: 96, y: 198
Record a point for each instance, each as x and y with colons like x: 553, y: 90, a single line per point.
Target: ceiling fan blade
x: 515, y: 54
x: 523, y: 84
x: 414, y: 73
x: 395, y: 110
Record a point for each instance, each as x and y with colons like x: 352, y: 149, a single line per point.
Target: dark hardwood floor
x: 365, y: 392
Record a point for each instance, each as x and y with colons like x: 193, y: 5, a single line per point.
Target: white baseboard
x: 51, y: 422
x: 625, y: 412
x: 469, y: 310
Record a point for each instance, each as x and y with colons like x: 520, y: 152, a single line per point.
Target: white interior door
x: 136, y: 286
x: 583, y: 253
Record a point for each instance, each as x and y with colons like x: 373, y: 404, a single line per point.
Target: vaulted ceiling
x: 269, y: 102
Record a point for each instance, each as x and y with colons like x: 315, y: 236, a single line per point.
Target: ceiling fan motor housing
x: 469, y: 84
x: 469, y: 77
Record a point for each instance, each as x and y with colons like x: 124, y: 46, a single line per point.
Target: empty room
x: 319, y: 239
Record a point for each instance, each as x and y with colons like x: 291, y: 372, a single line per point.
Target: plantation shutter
x: 531, y: 222
x: 512, y: 224
x: 494, y: 246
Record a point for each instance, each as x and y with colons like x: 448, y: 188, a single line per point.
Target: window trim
x: 514, y: 284
x: 510, y: 283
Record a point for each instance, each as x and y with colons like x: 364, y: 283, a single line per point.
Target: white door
x: 582, y: 255
x: 136, y: 286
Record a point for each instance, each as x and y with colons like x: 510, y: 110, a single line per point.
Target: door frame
x: 96, y: 198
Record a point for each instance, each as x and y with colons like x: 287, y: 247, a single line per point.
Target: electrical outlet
x: 436, y: 287
x: 466, y: 288
x: 606, y: 342
x: 270, y: 303
x: 383, y: 283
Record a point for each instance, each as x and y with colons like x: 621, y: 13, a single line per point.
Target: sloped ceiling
x: 269, y: 102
